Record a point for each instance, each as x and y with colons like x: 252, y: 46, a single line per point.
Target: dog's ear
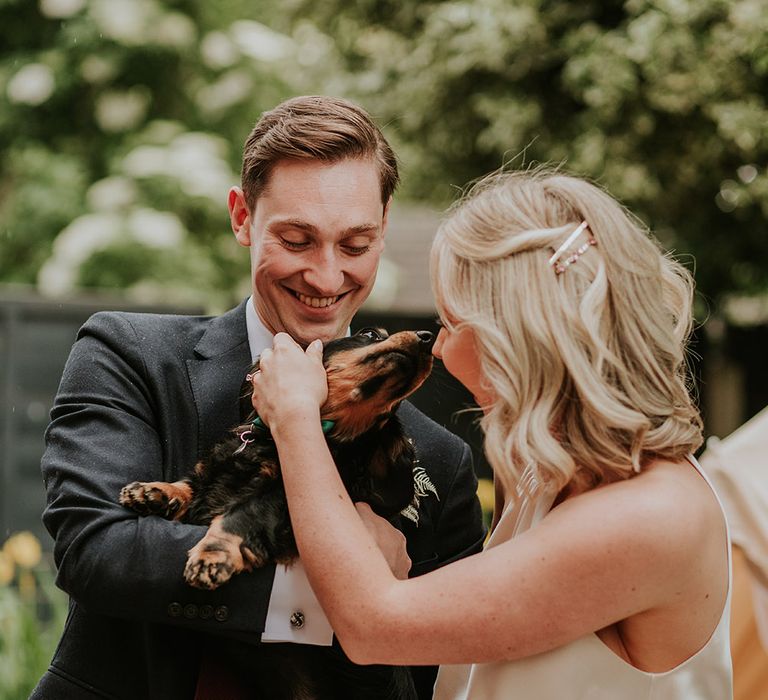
x: 391, y: 471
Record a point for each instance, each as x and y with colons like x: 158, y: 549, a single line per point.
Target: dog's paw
x: 142, y: 498
x: 217, y: 557
x: 156, y: 498
x: 209, y: 569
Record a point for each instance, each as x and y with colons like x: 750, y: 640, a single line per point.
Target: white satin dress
x: 586, y: 669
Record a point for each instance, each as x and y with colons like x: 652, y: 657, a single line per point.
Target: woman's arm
x: 596, y: 559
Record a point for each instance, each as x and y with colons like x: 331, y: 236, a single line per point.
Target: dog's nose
x: 426, y: 338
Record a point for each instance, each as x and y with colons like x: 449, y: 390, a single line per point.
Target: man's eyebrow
x: 361, y: 228
x: 292, y: 223
x: 302, y: 225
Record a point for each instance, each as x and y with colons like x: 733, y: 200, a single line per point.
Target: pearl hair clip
x: 560, y: 267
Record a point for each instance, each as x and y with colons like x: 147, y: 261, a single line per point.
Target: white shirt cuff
x: 294, y: 613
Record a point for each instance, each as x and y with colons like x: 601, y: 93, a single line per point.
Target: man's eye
x: 293, y: 245
x: 356, y: 244
x: 356, y: 249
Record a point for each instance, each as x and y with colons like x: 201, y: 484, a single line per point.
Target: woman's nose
x: 437, y: 347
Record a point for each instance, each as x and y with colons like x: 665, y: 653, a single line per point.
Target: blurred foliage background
x: 32, y: 613
x: 663, y: 101
x: 121, y: 121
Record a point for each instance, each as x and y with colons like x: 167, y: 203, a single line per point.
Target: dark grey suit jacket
x: 143, y: 397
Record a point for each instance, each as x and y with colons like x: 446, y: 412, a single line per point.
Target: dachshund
x: 238, y: 493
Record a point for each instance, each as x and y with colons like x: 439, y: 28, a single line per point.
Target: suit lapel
x: 216, y: 373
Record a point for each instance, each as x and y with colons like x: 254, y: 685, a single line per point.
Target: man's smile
x: 317, y: 302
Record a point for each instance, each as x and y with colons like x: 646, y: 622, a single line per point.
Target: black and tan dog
x: 238, y: 490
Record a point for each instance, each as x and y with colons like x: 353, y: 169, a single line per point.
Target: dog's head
x: 369, y: 374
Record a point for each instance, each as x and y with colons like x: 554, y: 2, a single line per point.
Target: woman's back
x: 677, y: 652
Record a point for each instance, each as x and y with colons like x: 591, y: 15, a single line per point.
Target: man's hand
x: 389, y: 539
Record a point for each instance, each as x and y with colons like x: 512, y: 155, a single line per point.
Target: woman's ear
x: 239, y: 216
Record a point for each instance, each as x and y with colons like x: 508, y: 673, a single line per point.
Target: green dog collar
x: 258, y: 424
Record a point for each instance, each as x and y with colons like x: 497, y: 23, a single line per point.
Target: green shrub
x: 32, y: 614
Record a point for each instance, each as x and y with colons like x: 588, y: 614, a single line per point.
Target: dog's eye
x: 372, y: 333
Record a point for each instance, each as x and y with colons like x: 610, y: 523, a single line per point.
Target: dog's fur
x: 238, y: 493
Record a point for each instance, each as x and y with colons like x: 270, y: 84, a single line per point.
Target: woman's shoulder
x: 676, y: 492
x: 668, y: 513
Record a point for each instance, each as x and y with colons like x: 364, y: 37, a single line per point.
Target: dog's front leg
x: 219, y: 556
x: 255, y: 532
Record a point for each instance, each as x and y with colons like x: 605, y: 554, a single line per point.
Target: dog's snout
x: 426, y: 338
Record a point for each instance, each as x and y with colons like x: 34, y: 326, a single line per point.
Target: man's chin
x: 305, y: 333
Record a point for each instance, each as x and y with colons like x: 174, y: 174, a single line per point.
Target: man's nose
x: 325, y: 274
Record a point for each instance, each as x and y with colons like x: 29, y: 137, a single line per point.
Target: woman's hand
x: 290, y: 384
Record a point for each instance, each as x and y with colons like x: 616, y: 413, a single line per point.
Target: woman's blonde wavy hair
x: 587, y: 368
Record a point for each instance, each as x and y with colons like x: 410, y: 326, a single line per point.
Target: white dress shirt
x: 294, y: 613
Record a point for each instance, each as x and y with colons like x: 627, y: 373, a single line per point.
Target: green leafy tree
x: 121, y: 120
x: 663, y: 102
x: 121, y: 123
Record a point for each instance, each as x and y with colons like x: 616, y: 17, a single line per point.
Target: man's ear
x: 239, y: 216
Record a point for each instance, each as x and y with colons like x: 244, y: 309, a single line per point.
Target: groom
x: 143, y: 397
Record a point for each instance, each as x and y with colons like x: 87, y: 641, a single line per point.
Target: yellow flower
x: 486, y: 494
x: 24, y: 549
x: 6, y: 569
x: 27, y: 585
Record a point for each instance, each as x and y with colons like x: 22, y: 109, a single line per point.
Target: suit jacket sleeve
x: 113, y: 422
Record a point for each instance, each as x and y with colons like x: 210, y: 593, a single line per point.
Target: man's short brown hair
x: 316, y: 127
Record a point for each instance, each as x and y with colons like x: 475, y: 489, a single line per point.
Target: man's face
x: 316, y: 235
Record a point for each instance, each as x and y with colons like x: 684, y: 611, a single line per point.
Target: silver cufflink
x: 297, y: 620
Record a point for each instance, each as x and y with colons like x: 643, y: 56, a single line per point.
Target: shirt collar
x: 259, y: 336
